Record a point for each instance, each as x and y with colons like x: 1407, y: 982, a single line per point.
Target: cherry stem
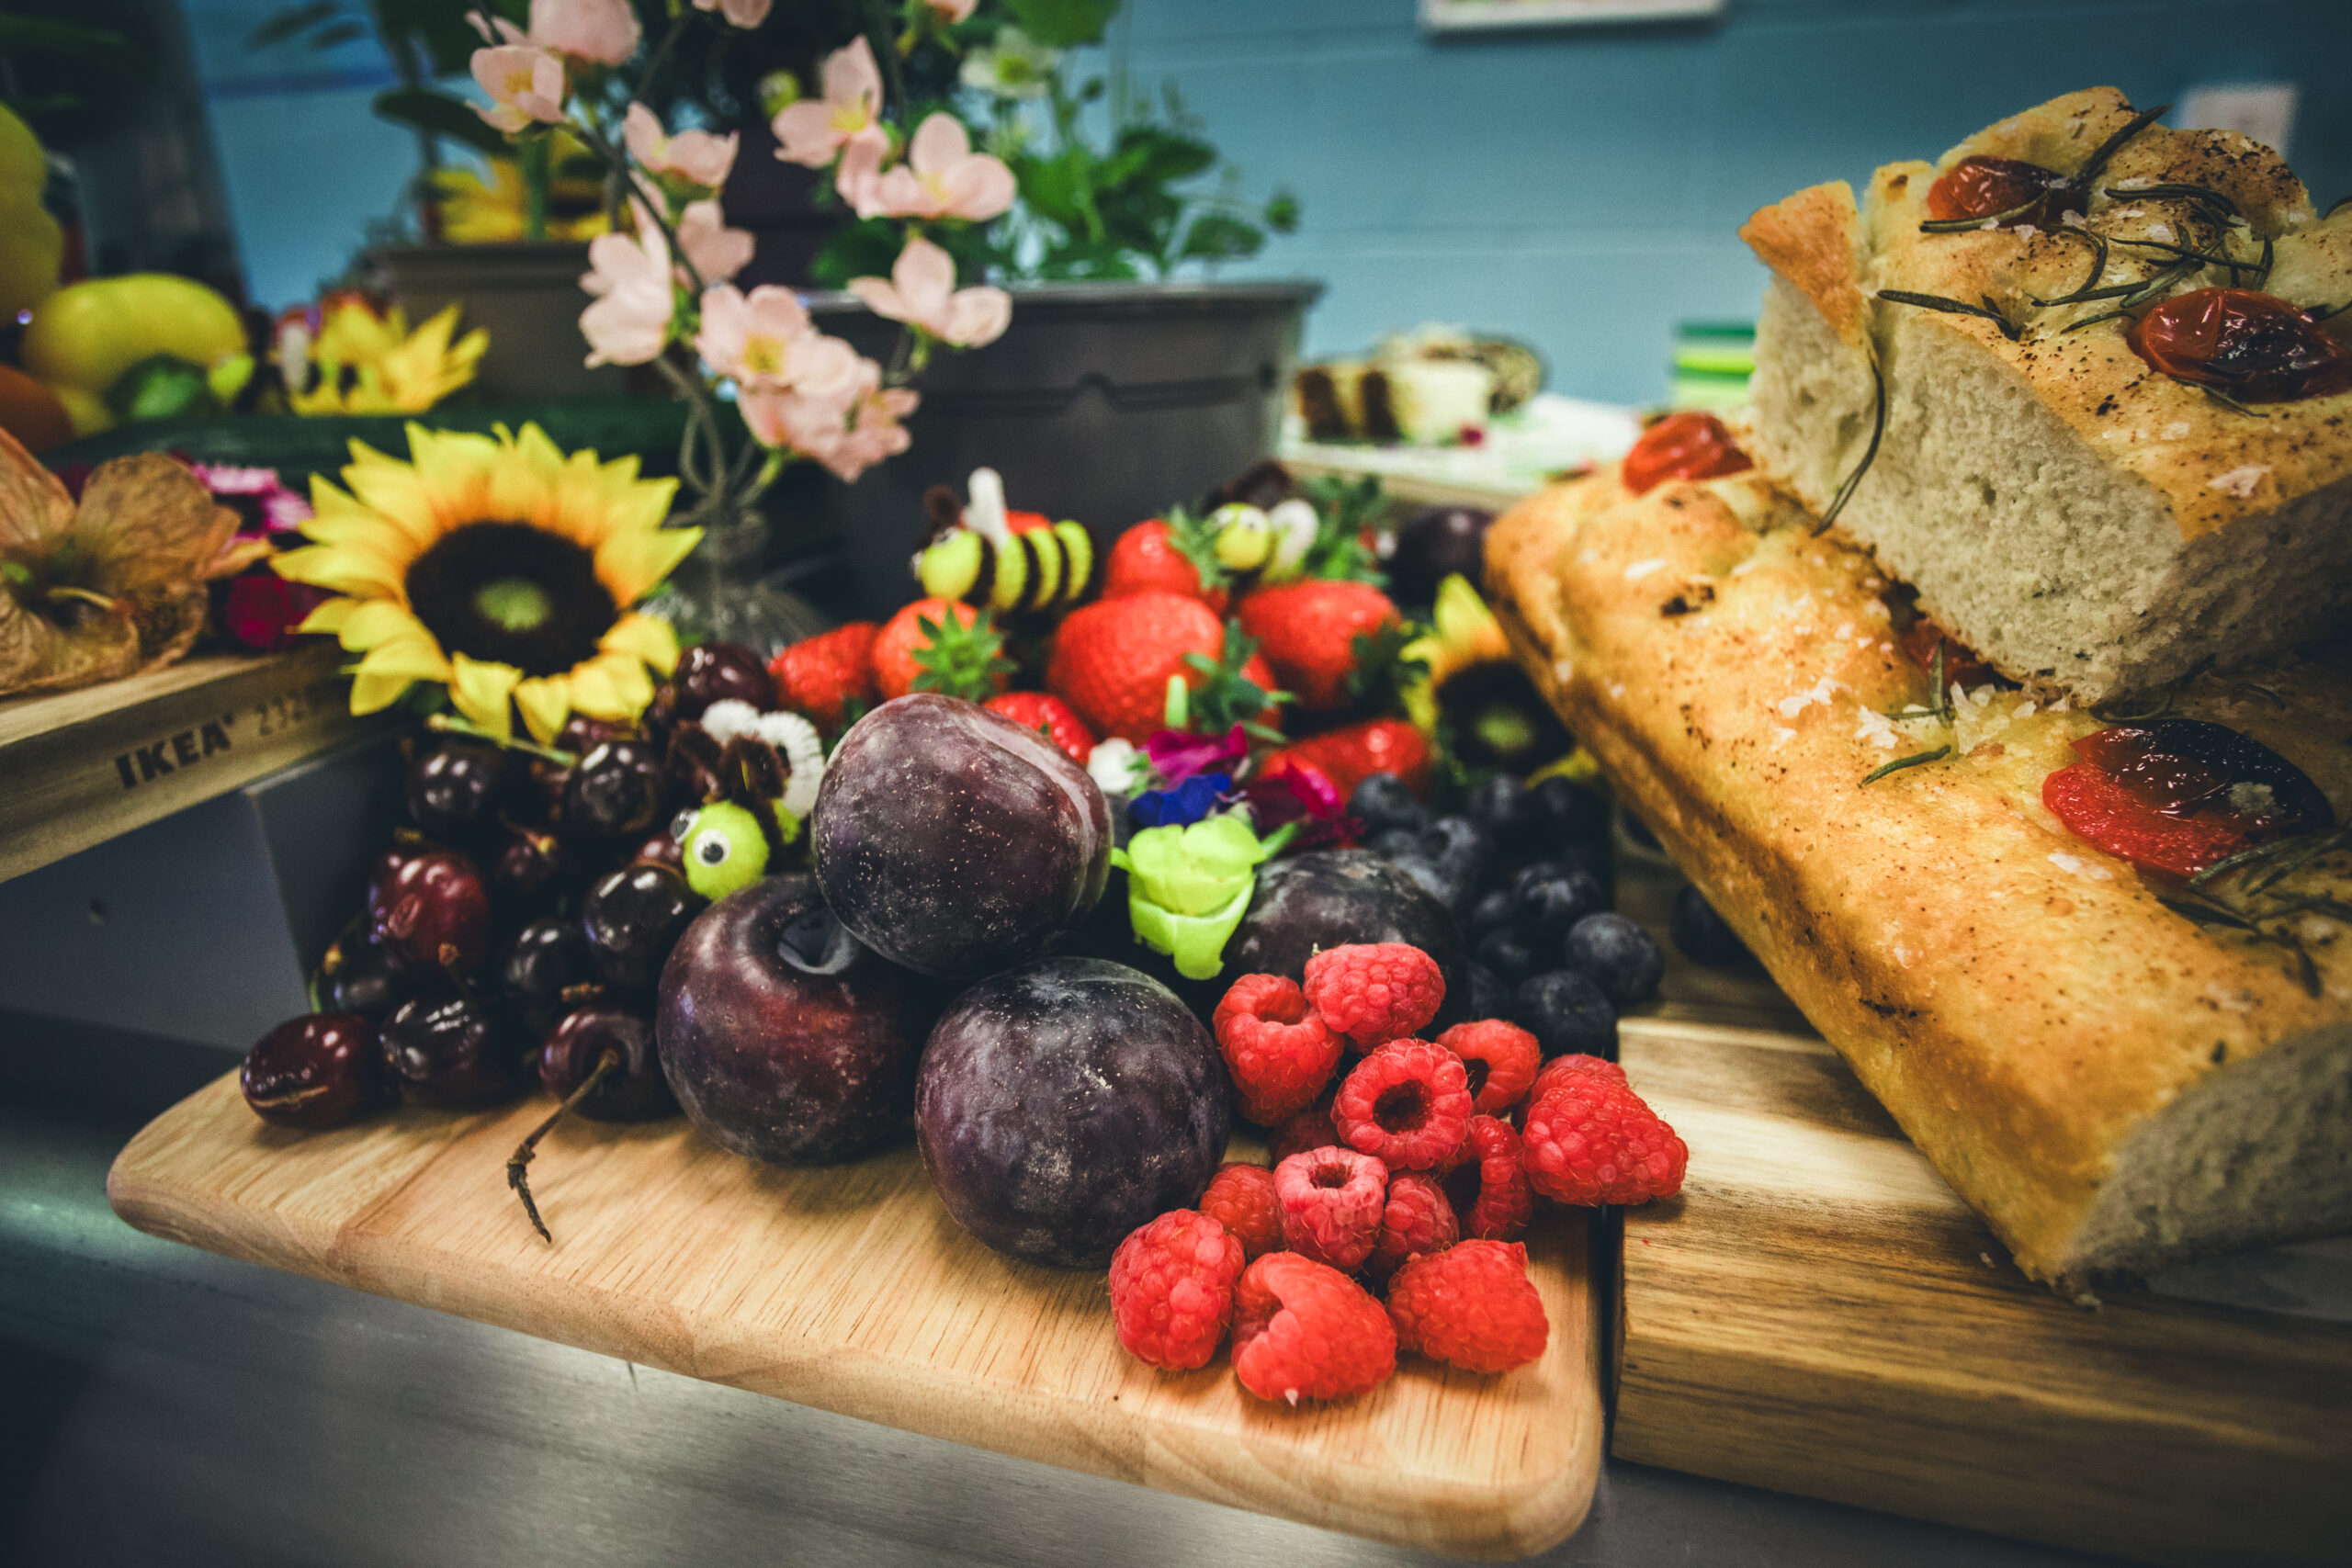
x: 518, y: 1165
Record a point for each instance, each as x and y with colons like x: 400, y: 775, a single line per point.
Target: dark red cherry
x: 581, y: 735
x: 320, y: 1070
x: 433, y: 913
x: 452, y: 1051
x: 357, y: 976
x: 2011, y: 189
x: 455, y: 786
x: 632, y: 1090
x: 549, y: 957
x: 615, y: 791
x: 715, y: 671
x: 531, y: 866
x: 2252, y: 346
x: 662, y: 849
x: 632, y: 918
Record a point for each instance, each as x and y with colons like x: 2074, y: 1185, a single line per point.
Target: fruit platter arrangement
x: 1106, y: 873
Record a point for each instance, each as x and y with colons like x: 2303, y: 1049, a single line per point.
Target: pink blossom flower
x: 943, y: 178
x: 744, y: 14
x: 716, y: 252
x: 921, y: 292
x: 875, y: 432
x: 629, y: 322
x: 1176, y: 755
x: 951, y: 11
x: 526, y: 85
x: 695, y: 156
x: 814, y: 130
x: 605, y: 31
x: 859, y: 178
x: 848, y: 434
x: 765, y: 342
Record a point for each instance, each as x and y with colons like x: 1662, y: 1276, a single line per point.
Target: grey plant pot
x: 528, y: 296
x: 1105, y: 402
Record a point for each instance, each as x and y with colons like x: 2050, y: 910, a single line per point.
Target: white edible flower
x: 1117, y: 767
x: 732, y: 718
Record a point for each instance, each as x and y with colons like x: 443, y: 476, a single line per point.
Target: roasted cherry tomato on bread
x: 1961, y: 664
x: 2007, y: 189
x: 2176, y: 795
x: 2254, y: 346
x: 1686, y: 446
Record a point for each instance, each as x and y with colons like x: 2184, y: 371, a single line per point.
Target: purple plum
x: 954, y: 840
x: 1062, y: 1104
x: 783, y: 1036
x: 1329, y: 897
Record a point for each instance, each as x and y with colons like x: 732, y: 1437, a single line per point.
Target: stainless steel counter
x: 159, y: 1405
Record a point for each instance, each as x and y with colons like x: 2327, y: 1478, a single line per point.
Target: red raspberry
x: 1242, y: 1199
x: 1406, y: 1103
x: 1418, y: 1219
x: 1470, y: 1306
x: 1502, y: 1058
x: 1489, y: 1190
x: 1303, y: 1330
x: 1310, y: 1129
x: 1332, y: 1200
x: 1280, y: 1054
x: 1590, y: 1140
x: 1171, y: 1288
x: 1373, y: 992
x: 1561, y: 1068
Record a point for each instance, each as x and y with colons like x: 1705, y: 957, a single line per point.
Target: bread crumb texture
x: 2066, y: 511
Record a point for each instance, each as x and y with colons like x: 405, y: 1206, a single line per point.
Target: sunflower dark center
x: 510, y: 594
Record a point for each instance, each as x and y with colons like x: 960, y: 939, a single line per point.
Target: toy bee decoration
x: 1008, y: 561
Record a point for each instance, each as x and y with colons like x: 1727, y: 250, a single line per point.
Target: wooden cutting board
x: 1819, y: 1313
x: 849, y: 1288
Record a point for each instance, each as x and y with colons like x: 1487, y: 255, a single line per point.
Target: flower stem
x: 451, y: 724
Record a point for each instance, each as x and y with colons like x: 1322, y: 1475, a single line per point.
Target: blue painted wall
x: 1577, y: 186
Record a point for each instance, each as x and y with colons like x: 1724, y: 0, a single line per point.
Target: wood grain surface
x: 84, y: 766
x: 850, y: 1289
x: 1819, y: 1313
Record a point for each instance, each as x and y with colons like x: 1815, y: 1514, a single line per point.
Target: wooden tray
x: 85, y: 766
x: 850, y: 1289
x: 1819, y: 1313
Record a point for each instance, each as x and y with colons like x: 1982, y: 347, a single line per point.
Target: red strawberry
x: 1035, y: 710
x: 821, y: 675
x: 1307, y: 632
x: 1354, y: 752
x: 1112, y: 659
x: 1146, y: 558
x: 896, y: 667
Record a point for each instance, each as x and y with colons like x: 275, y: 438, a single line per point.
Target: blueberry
x: 1391, y: 842
x: 1571, y: 814
x: 1383, y: 801
x: 1619, y: 955
x: 1590, y: 859
x: 1702, y: 934
x: 1501, y: 800
x: 1514, y: 819
x: 1493, y: 908
x: 1443, y: 883
x: 1489, y: 994
x: 1509, y: 951
x: 1456, y: 842
x: 1566, y: 1013
x: 1554, y: 904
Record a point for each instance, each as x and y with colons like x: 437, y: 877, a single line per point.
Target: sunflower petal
x: 648, y: 638
x: 481, y: 690
x: 546, y: 703
x: 341, y: 569
x: 373, y: 693
x: 611, y: 686
x: 375, y: 621
x: 632, y: 565
x: 329, y: 616
x: 414, y: 658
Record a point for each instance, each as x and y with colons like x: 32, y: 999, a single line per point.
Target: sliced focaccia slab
x: 2079, y: 382
x: 2117, y: 1068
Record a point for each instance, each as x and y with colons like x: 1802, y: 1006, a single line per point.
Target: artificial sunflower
x: 478, y: 212
x: 1491, y: 713
x: 499, y: 568
x: 371, y: 363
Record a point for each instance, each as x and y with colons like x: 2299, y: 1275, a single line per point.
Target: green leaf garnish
x: 1986, y: 311
x: 1870, y: 453
x: 1918, y: 759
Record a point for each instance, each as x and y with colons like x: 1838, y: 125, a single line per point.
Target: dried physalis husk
x: 112, y: 586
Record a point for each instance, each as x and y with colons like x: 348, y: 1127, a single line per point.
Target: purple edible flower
x: 1177, y: 756
x: 1183, y: 805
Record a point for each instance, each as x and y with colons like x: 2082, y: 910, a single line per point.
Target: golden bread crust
x: 2021, y: 1001
x: 1814, y: 239
x: 2215, y: 466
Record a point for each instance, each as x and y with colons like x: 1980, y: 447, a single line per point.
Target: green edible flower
x: 1187, y: 887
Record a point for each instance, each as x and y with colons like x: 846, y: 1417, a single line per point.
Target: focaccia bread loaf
x: 2113, y: 1086
x: 2074, y: 515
